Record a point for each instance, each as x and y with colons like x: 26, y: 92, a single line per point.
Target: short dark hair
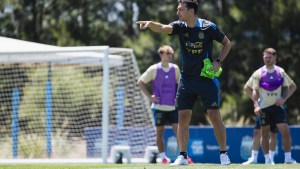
x: 190, y: 4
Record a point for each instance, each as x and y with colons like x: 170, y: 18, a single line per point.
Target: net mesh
x: 53, y: 109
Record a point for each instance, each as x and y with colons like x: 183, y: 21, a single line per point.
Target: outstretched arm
x: 155, y: 26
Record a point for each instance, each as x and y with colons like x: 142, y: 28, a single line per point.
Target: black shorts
x: 206, y: 89
x: 273, y: 127
x: 162, y: 118
x: 273, y: 114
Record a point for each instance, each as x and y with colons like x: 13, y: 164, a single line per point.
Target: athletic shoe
x: 180, y: 161
x: 290, y: 161
x: 190, y: 161
x: 224, y: 159
x: 250, y: 161
x: 269, y: 161
x: 165, y: 160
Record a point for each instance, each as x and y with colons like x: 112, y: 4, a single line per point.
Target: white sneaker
x: 224, y: 159
x: 269, y: 161
x: 250, y: 161
x: 290, y: 161
x: 180, y: 161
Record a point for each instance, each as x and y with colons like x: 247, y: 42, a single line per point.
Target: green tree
x: 251, y: 25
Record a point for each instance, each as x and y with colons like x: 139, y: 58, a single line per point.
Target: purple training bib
x: 270, y: 81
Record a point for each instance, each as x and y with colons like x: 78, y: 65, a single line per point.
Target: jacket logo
x: 186, y: 35
x: 201, y: 35
x: 214, y: 104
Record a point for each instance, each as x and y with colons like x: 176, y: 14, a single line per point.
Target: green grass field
x: 146, y: 166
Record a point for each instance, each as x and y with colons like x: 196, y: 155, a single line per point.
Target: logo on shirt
x: 206, y: 24
x: 194, y: 48
x: 201, y: 35
x: 214, y: 104
x: 196, y: 45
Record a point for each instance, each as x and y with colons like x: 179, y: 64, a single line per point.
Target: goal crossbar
x: 79, y: 55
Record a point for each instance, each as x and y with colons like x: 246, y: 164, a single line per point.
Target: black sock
x: 184, y: 154
x: 223, y: 152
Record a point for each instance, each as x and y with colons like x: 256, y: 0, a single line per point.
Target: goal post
x: 80, y: 55
x: 71, y: 103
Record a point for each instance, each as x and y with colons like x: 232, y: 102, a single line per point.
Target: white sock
x: 272, y: 154
x: 254, y: 154
x: 287, y: 155
x: 162, y: 155
x: 267, y: 157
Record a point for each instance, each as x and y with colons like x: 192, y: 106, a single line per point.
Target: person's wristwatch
x: 219, y: 61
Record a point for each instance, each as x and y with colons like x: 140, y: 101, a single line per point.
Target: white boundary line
x: 68, y: 161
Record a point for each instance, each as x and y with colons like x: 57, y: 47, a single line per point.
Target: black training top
x: 196, y: 44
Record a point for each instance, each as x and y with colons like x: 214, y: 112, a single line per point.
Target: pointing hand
x: 143, y: 24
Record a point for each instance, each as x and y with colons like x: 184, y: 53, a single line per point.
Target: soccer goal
x: 71, y: 103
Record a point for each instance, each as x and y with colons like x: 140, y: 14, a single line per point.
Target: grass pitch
x: 146, y: 166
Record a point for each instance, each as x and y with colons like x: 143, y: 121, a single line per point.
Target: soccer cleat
x: 224, y: 159
x: 165, y: 160
x: 180, y: 161
x: 250, y: 161
x: 290, y: 161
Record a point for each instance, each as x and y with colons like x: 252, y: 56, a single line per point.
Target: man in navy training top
x: 197, y: 79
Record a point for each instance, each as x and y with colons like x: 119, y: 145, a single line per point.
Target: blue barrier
x: 203, y: 147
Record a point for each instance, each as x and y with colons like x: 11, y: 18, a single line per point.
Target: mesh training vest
x: 270, y: 81
x: 164, y: 85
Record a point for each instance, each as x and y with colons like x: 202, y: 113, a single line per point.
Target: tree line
x: 251, y: 25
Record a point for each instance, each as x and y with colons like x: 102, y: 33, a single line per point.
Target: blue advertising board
x: 203, y: 147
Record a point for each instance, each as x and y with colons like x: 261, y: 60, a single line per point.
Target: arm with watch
x: 224, y: 52
x: 213, y: 69
x: 208, y: 69
x: 217, y: 65
x: 219, y: 61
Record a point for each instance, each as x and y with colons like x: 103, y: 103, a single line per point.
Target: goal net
x: 53, y: 104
